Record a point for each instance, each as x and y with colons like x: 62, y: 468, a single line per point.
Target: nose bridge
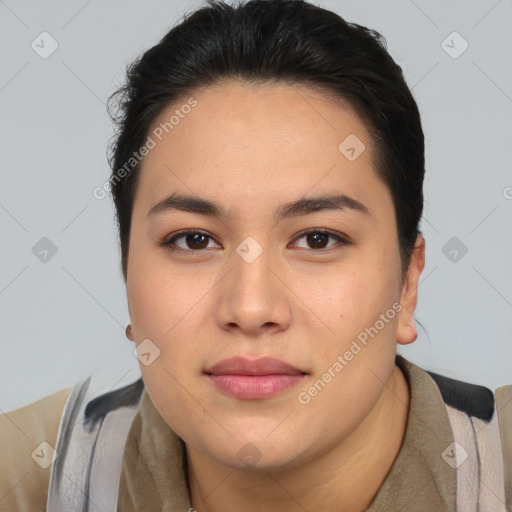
x: 251, y: 261
x: 251, y: 297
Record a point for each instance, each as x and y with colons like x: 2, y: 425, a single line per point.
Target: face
x: 316, y: 286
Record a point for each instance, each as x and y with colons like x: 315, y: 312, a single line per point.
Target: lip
x: 261, y: 366
x: 254, y: 379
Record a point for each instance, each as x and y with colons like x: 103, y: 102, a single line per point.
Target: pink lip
x: 261, y: 378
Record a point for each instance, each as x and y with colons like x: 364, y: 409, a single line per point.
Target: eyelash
x: 168, y: 243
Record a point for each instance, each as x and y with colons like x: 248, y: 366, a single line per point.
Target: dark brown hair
x: 291, y: 41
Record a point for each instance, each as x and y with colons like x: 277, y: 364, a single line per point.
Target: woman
x: 267, y: 176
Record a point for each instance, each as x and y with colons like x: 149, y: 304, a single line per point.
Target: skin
x: 252, y: 149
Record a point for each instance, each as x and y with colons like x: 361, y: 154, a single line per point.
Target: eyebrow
x: 302, y: 206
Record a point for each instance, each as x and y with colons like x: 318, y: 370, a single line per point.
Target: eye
x: 318, y: 238
x: 194, y: 241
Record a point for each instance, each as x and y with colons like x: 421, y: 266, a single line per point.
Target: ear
x: 128, y: 332
x: 406, y: 331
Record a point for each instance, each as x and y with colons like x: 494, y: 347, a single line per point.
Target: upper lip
x: 262, y: 366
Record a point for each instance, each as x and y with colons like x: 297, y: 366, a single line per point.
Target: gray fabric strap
x: 85, y: 475
x: 476, y: 453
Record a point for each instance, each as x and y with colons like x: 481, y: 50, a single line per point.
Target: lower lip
x: 255, y: 386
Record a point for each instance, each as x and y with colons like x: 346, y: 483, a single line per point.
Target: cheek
x: 178, y: 408
x: 164, y: 311
x: 150, y: 309
x: 356, y: 296
x: 157, y: 295
x: 351, y: 305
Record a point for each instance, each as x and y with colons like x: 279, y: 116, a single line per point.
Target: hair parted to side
x: 289, y: 41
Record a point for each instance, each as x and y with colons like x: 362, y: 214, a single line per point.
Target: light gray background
x: 64, y: 319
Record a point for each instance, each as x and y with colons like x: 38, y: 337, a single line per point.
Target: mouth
x: 254, y: 380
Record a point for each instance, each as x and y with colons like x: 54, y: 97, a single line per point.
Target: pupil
x: 314, y: 239
x: 196, y: 238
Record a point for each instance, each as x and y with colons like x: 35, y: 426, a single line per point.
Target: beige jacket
x: 153, y: 475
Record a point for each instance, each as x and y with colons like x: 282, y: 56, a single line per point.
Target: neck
x: 345, y: 478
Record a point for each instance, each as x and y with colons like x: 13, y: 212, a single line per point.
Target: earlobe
x: 406, y: 334
x: 128, y: 332
x: 406, y: 329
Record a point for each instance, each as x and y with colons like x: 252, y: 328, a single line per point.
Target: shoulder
x: 481, y: 419
x: 453, y: 439
x: 477, y: 401
x: 504, y: 411
x: 473, y: 399
x: 90, y: 445
x: 28, y: 436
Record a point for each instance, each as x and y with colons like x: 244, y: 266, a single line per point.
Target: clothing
x: 23, y: 483
x: 152, y: 463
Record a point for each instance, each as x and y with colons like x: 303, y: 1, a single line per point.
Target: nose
x: 253, y: 298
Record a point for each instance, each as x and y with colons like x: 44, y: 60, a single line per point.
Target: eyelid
x: 168, y: 241
x: 334, y: 234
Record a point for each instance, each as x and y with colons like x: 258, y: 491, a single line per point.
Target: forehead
x: 268, y: 113
x: 258, y: 141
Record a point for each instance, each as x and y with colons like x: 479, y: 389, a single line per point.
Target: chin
x: 256, y: 453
